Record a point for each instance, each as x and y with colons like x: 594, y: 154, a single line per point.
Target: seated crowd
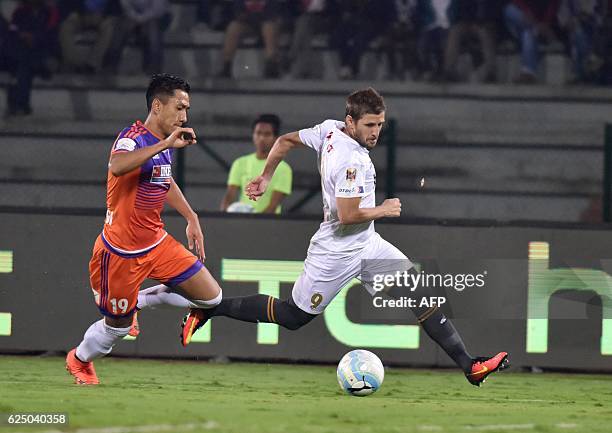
x: 419, y: 39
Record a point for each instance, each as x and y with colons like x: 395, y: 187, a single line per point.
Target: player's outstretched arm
x: 349, y: 211
x: 282, y: 146
x: 124, y: 162
x: 195, y: 237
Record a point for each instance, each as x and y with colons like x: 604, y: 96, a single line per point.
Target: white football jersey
x: 346, y: 171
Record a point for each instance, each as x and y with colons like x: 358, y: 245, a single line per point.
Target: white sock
x: 99, y: 340
x: 161, y: 296
x: 210, y: 303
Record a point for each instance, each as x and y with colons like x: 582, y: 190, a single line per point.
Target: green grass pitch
x: 189, y: 396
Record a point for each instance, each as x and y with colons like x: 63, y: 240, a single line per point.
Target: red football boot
x: 191, y: 323
x: 482, y: 367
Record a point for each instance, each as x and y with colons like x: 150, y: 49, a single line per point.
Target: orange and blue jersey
x: 133, y: 245
x: 135, y: 200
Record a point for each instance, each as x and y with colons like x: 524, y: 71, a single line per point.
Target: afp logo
x: 161, y: 174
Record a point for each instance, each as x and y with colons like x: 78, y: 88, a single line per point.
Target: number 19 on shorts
x: 119, y: 306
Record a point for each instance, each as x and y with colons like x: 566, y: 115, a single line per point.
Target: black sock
x: 441, y: 330
x: 246, y: 308
x: 262, y: 308
x: 436, y: 325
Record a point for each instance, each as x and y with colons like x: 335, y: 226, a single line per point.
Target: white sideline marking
x: 515, y: 400
x: 209, y: 425
x: 528, y: 400
x: 493, y: 427
x: 503, y: 400
x: 499, y: 427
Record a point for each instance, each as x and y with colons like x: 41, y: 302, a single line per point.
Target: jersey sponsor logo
x: 360, y: 190
x: 125, y: 144
x: 161, y: 174
x: 351, y: 174
x: 347, y: 190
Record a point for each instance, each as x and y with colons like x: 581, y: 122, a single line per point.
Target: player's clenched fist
x: 393, y: 207
x: 181, y: 137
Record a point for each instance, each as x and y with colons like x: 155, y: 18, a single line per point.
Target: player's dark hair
x: 163, y: 86
x: 362, y: 102
x: 271, y: 119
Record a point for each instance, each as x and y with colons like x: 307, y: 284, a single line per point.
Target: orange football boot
x: 135, y: 329
x: 83, y: 372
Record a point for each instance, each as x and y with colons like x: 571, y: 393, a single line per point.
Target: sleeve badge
x: 351, y: 174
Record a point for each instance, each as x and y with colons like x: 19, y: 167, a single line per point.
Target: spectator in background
x: 253, y: 15
x: 603, y: 45
x: 472, y: 18
x: 26, y: 47
x: 358, y: 23
x: 530, y: 21
x: 3, y: 35
x: 213, y: 15
x: 265, y: 131
x: 314, y: 19
x: 434, y: 22
x: 400, y: 41
x: 96, y: 15
x: 147, y: 18
x: 581, y: 19
x: 4, y: 51
x: 203, y: 15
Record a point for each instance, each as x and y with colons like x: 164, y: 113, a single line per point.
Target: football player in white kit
x: 346, y: 245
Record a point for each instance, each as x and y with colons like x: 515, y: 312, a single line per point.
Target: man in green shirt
x: 265, y: 131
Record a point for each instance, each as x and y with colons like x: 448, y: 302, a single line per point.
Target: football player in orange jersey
x: 133, y: 244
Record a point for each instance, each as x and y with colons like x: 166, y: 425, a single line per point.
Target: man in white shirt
x: 346, y: 246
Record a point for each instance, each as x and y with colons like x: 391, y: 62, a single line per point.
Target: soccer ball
x: 360, y: 373
x: 239, y: 207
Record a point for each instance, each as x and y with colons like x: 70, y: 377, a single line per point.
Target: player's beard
x: 354, y: 134
x: 362, y: 141
x: 368, y: 146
